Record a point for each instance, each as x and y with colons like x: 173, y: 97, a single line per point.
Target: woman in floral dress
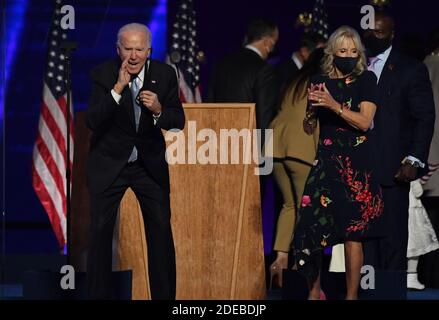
x: 342, y: 201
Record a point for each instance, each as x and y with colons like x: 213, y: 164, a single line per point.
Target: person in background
x: 245, y: 75
x: 422, y: 238
x: 404, y: 126
x: 429, y: 263
x: 288, y: 69
x: 431, y: 180
x: 293, y: 153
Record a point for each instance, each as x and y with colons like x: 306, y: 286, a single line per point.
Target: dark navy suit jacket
x: 404, y: 121
x: 113, y: 125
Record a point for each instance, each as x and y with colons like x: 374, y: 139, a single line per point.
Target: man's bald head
x: 385, y: 19
x: 384, y: 25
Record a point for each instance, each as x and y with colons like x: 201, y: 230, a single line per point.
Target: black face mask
x: 345, y: 64
x: 376, y: 46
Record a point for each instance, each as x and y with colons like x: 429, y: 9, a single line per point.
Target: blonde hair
x: 334, y: 43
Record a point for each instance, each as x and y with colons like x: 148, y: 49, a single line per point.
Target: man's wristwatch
x: 413, y: 163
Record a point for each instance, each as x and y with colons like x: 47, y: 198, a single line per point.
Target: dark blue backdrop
x: 221, y: 26
x: 96, y: 26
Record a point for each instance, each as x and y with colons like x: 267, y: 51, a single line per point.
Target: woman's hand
x: 320, y: 96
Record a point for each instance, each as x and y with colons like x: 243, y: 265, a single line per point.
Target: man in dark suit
x: 404, y: 125
x: 288, y: 69
x: 245, y: 76
x: 132, y: 100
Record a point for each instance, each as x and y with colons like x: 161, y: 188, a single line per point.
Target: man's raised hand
x: 124, y: 77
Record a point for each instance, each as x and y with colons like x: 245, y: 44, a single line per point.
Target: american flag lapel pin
x: 391, y: 67
x: 153, y: 81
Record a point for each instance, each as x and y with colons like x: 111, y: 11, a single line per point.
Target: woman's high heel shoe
x: 275, y: 276
x: 276, y: 269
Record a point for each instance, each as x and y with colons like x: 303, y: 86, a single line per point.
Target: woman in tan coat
x: 293, y: 153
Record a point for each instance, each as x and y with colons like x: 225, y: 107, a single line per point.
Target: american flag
x: 49, y: 154
x: 183, y: 53
x: 319, y: 24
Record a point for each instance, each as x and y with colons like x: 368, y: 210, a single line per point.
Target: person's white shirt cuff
x: 156, y: 118
x: 116, y: 96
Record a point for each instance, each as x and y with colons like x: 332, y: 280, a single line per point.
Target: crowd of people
x: 353, y: 130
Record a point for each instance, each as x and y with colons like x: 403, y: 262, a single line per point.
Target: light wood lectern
x: 216, y: 214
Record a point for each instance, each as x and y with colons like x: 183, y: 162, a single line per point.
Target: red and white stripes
x: 50, y: 161
x: 186, y: 94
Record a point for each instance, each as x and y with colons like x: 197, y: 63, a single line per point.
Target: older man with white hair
x: 132, y: 99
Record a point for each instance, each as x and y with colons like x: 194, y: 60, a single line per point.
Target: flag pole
x: 68, y: 47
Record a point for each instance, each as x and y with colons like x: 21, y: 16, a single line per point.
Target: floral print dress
x: 342, y: 199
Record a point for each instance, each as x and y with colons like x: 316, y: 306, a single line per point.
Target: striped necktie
x: 137, y: 111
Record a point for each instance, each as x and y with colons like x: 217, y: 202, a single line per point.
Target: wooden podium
x: 216, y: 218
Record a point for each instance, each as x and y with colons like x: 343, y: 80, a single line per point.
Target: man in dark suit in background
x: 404, y: 125
x: 245, y: 76
x: 132, y: 100
x: 288, y: 69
